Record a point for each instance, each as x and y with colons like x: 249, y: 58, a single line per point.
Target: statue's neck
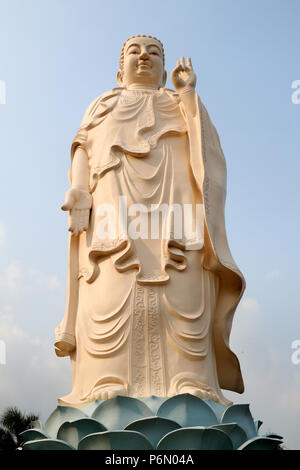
x: 141, y: 86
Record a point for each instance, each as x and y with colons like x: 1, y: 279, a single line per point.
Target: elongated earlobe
x: 164, y: 78
x: 120, y: 78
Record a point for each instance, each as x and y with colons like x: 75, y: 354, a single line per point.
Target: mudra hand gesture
x: 78, y: 202
x: 183, y: 76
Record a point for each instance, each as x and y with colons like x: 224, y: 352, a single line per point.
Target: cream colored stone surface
x: 148, y: 316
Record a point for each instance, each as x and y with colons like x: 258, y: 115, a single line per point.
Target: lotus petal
x: 154, y: 429
x: 116, y: 413
x: 188, y: 411
x: 59, y: 416
x: 261, y: 443
x: 47, y: 444
x: 75, y: 431
x: 153, y: 402
x: 234, y: 431
x: 258, y: 424
x: 195, y: 438
x: 33, y: 435
x: 273, y: 436
x: 216, y: 407
x: 90, y: 407
x: 240, y: 414
x: 115, y: 440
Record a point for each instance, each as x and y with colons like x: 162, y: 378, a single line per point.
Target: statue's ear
x: 164, y: 78
x: 120, y: 78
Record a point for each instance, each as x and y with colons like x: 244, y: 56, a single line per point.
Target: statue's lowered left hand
x: 78, y: 202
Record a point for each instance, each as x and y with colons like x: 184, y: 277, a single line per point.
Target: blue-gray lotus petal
x: 33, y: 435
x: 47, y: 444
x: 116, y: 413
x: 115, y: 440
x: 258, y: 424
x: 154, y: 428
x: 90, y: 407
x: 234, y: 431
x: 240, y: 414
x: 216, y: 407
x: 273, y: 436
x: 196, y: 438
x: 75, y: 431
x: 261, y: 443
x: 153, y: 402
x: 59, y: 416
x: 188, y: 411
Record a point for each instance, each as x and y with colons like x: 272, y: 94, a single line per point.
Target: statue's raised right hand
x: 78, y: 202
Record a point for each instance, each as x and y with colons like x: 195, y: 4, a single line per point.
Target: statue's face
x: 143, y: 63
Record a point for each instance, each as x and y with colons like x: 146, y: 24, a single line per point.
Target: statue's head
x: 142, y: 62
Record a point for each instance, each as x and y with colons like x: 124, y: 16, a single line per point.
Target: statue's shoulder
x: 172, y: 94
x: 100, y: 106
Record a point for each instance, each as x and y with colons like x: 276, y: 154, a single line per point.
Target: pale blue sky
x: 55, y: 57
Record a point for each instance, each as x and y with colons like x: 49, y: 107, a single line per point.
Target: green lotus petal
x: 90, y: 407
x: 33, y: 435
x: 116, y: 413
x: 153, y: 402
x: 195, y: 438
x: 154, y: 429
x: 59, y: 416
x: 188, y: 411
x: 240, y: 414
x: 47, y: 444
x: 273, y: 436
x: 258, y: 424
x: 75, y: 431
x: 216, y: 407
x: 234, y: 431
x: 115, y: 440
x: 261, y: 443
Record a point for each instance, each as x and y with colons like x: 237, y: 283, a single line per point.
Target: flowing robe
x: 151, y: 316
